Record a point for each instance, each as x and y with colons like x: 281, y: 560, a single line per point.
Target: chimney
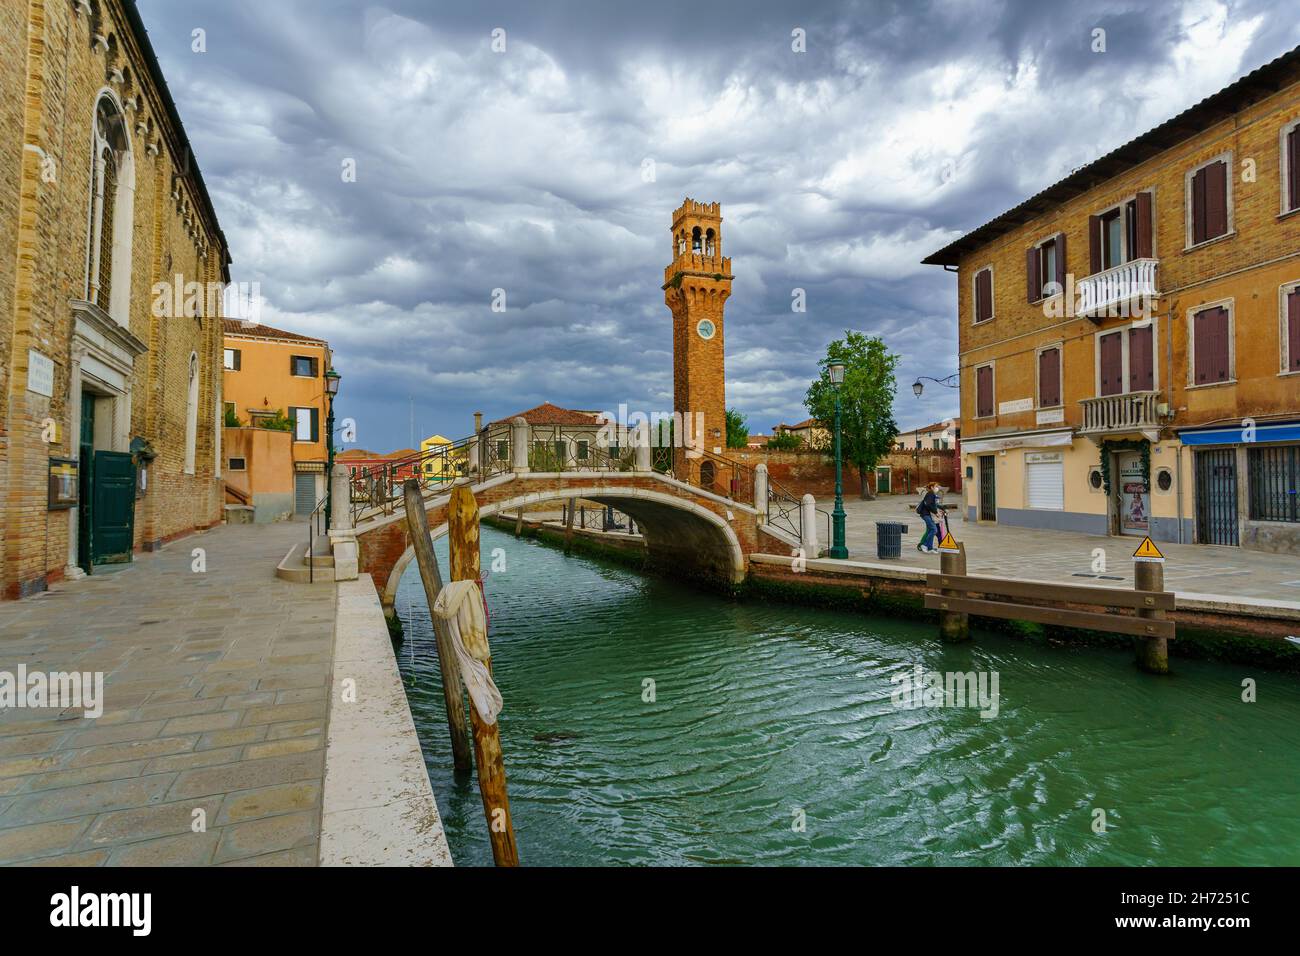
x: 478, y: 422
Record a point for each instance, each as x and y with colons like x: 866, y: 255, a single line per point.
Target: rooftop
x: 549, y: 414
x: 238, y: 327
x: 1251, y: 88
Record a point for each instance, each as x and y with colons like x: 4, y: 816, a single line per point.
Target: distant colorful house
x: 441, y: 466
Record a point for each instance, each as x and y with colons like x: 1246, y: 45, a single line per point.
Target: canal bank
x: 769, y: 734
x: 1250, y: 630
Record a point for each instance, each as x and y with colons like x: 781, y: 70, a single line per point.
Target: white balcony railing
x: 1132, y: 411
x: 1119, y: 286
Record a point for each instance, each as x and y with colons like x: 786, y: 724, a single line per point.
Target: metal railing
x: 785, y: 511
x: 601, y: 518
x: 706, y: 471
x: 315, y: 528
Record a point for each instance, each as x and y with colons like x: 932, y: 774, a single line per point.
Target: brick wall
x: 51, y: 76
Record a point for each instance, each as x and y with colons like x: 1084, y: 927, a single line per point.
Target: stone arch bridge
x: 700, y: 515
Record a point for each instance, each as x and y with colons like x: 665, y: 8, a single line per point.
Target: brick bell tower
x: 696, y: 285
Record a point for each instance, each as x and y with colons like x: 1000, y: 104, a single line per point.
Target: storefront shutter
x: 1046, y: 484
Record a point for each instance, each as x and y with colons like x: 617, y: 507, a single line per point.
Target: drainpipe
x: 1169, y: 391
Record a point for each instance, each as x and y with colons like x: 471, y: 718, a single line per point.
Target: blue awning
x: 1238, y: 435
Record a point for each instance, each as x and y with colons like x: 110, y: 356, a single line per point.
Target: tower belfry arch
x: 697, y: 284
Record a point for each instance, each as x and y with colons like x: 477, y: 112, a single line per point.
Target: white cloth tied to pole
x: 460, y: 604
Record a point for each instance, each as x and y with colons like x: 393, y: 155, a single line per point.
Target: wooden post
x: 954, y: 626
x: 418, y: 524
x: 1152, y: 652
x: 519, y: 521
x: 463, y: 531
x: 568, y: 524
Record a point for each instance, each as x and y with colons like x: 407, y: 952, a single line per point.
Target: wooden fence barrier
x: 1040, y: 601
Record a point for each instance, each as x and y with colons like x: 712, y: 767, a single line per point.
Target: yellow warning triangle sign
x: 949, y: 544
x: 1147, y: 551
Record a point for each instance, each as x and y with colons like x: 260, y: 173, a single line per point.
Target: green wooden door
x: 86, y: 473
x: 112, y: 521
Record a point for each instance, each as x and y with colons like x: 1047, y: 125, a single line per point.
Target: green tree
x: 232, y: 420
x: 277, y: 422
x: 737, y: 429
x: 785, y: 441
x: 867, y: 426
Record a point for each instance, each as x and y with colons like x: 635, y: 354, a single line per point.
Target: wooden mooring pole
x: 954, y: 626
x: 418, y: 525
x: 519, y: 521
x: 568, y: 525
x: 1152, y: 652
x: 463, y: 533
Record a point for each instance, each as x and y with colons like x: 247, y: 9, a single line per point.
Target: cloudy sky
x: 903, y: 125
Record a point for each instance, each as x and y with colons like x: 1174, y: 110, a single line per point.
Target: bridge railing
x: 706, y: 471
x: 376, y: 490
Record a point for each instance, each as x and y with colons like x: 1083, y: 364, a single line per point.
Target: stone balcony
x: 1126, y: 290
x: 1118, y: 414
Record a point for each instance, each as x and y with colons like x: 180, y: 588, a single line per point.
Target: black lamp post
x: 331, y: 389
x: 946, y: 382
x: 835, y: 372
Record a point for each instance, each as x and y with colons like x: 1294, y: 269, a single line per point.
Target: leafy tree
x: 737, y: 429
x: 785, y: 441
x: 232, y: 419
x: 867, y: 426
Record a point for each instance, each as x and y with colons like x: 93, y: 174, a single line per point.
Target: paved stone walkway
x: 216, y: 691
x: 1068, y: 557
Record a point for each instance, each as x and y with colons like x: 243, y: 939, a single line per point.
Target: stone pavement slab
x: 216, y: 694
x: 1069, y: 557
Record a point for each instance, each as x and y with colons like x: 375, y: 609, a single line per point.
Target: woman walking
x: 927, y: 509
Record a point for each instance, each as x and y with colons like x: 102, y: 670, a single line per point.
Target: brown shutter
x: 1198, y: 206
x: 1049, y: 378
x: 1293, y: 331
x: 1060, y: 260
x: 1144, y: 244
x: 1033, y: 280
x: 984, y: 391
x: 1216, y: 199
x: 1210, y: 327
x: 1094, y: 245
x: 1293, y: 166
x: 1141, y: 368
x: 1112, y: 364
x: 983, y: 295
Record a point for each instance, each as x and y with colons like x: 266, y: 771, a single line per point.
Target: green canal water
x: 766, y: 715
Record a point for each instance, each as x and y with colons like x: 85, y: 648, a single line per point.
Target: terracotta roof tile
x: 548, y: 414
x: 237, y: 327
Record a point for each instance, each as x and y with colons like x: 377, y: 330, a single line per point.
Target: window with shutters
x: 1290, y: 328
x: 1290, y: 163
x: 1049, y: 377
x: 983, y: 393
x: 1122, y: 233
x: 1141, y: 359
x: 982, y: 294
x: 306, y: 424
x: 231, y: 359
x: 1209, y: 200
x: 1045, y: 268
x: 303, y: 365
x: 1210, y: 342
x: 1126, y: 360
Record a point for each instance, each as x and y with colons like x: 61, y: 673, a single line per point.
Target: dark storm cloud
x: 839, y: 169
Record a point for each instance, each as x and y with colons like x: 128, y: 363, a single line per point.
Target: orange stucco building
x: 1129, y: 338
x: 272, y: 375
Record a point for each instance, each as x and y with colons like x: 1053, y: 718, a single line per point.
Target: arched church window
x: 681, y: 243
x: 708, y: 243
x: 695, y: 240
x: 110, y: 222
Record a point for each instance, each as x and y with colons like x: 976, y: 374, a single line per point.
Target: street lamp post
x: 835, y: 371
x: 331, y: 389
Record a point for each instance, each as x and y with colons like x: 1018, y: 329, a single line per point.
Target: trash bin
x: 889, y: 538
